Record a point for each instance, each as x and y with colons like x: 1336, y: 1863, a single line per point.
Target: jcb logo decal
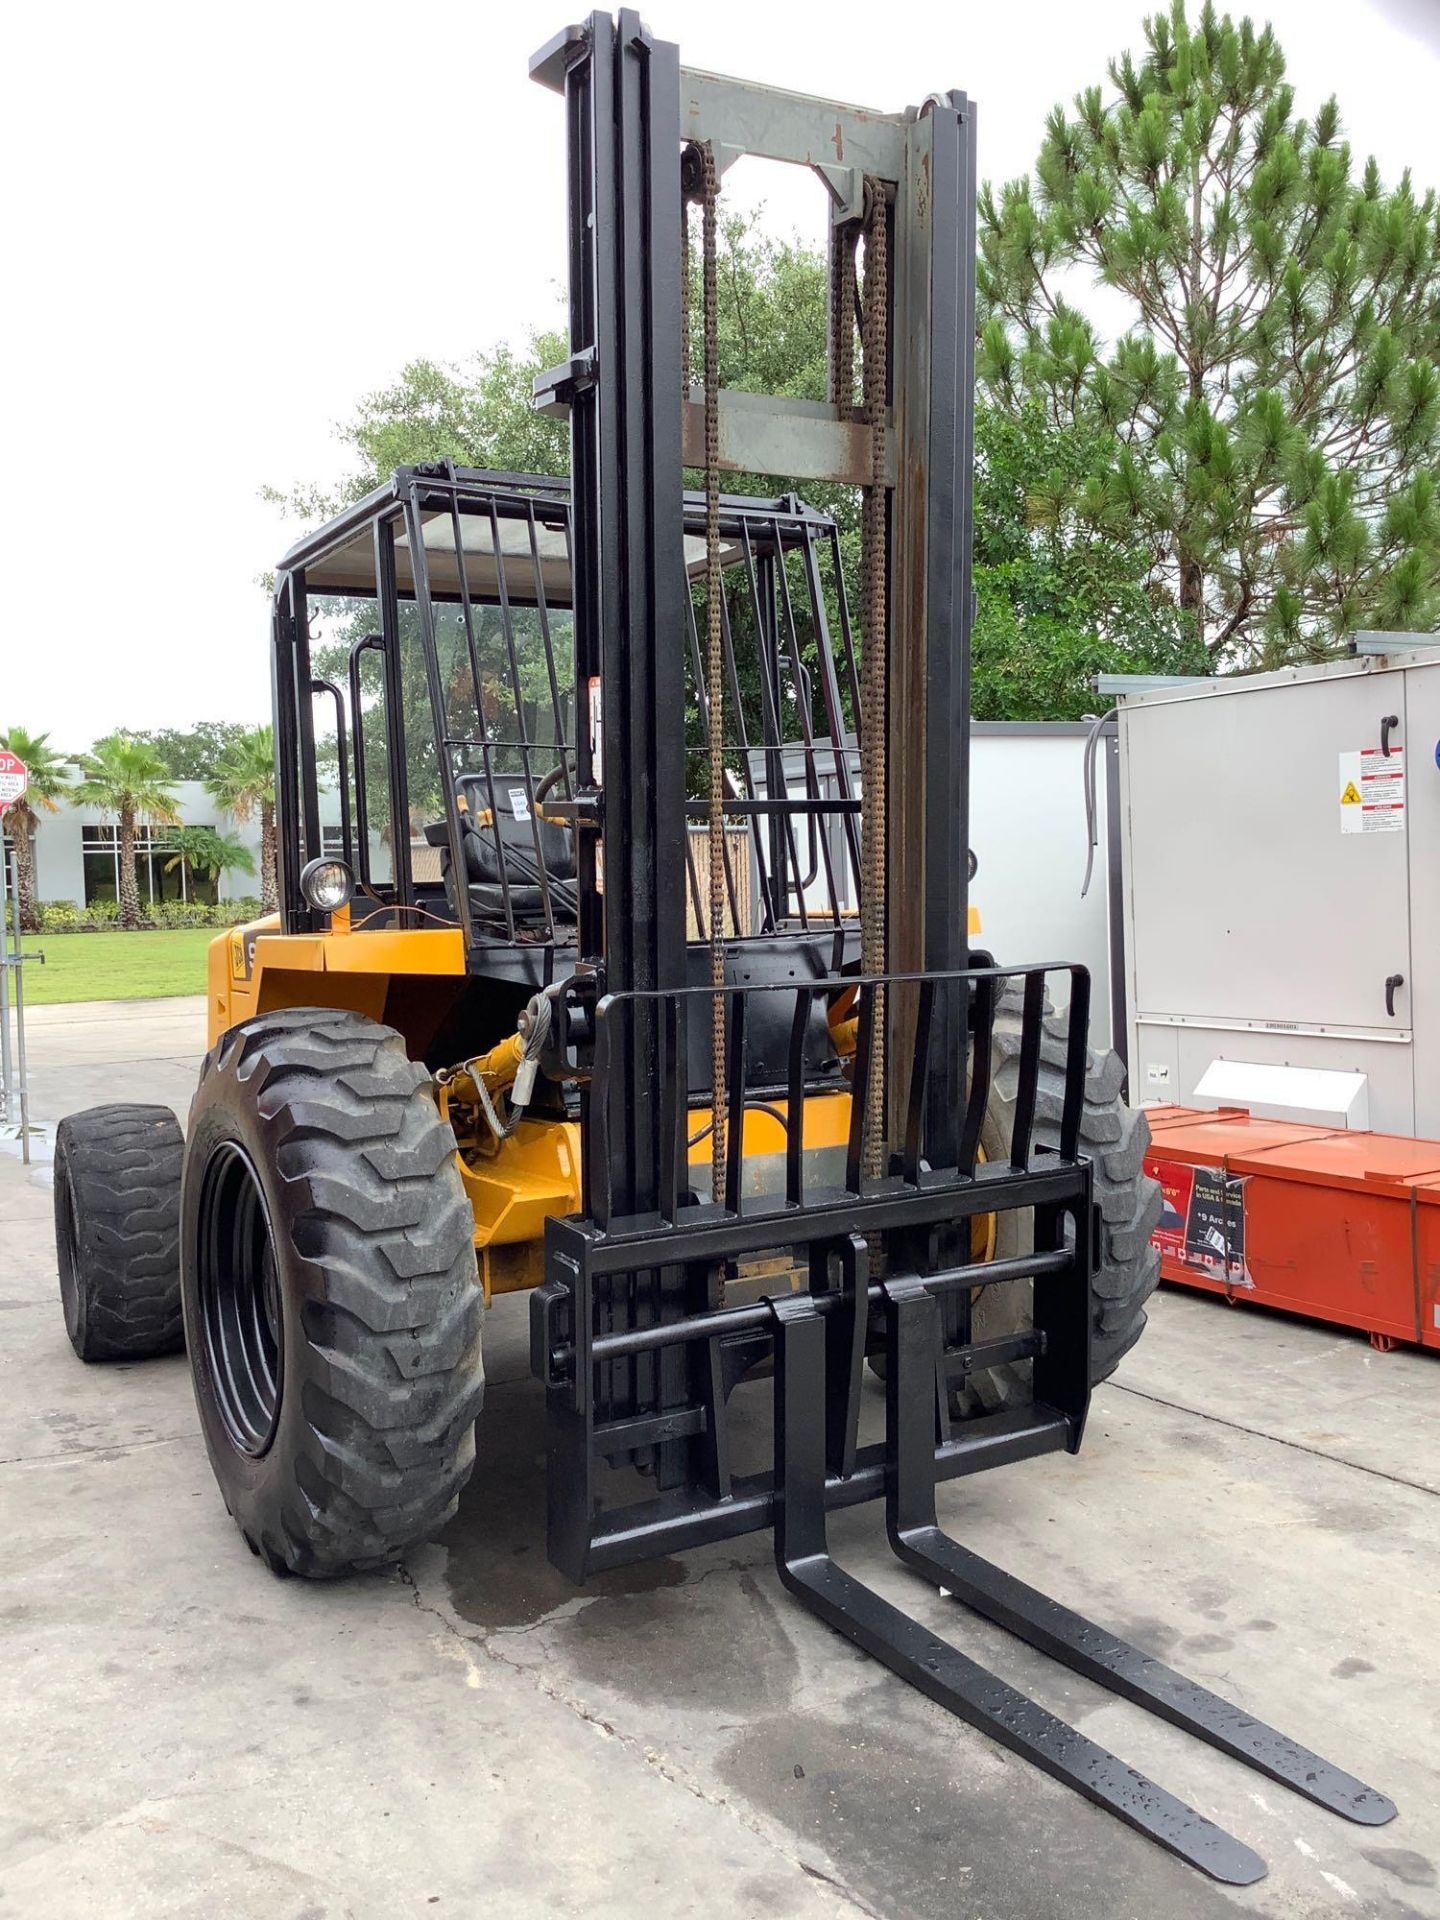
x: 242, y: 956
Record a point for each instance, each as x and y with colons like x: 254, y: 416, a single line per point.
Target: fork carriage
x: 637, y: 1338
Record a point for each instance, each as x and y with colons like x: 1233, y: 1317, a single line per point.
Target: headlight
x: 327, y: 885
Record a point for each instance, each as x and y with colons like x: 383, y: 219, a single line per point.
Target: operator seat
x: 516, y: 845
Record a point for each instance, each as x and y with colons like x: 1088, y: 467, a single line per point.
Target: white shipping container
x: 1281, y: 861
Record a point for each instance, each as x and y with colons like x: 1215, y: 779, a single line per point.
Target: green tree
x: 203, y: 851
x: 771, y: 326
x: 189, y: 753
x: 242, y: 783
x: 48, y: 782
x: 1273, y: 386
x: 126, y: 778
x: 770, y: 333
x: 1058, y: 598
x: 477, y: 414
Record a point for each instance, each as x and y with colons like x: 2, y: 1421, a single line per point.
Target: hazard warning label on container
x: 1202, y: 1221
x: 1371, y: 786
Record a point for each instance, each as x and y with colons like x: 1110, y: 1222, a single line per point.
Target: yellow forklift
x: 637, y: 971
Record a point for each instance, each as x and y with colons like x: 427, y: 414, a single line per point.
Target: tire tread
x: 1127, y: 1200
x: 122, y: 1163
x: 376, y: 1210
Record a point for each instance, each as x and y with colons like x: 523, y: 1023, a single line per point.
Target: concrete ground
x: 183, y: 1735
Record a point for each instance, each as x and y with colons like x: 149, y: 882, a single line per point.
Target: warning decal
x: 1372, y: 791
x: 1202, y: 1221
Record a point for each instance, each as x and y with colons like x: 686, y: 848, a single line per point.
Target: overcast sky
x: 224, y: 224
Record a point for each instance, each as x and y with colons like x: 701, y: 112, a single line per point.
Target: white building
x: 77, y: 854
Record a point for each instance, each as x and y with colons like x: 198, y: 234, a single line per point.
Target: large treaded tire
x: 117, y: 1231
x: 369, y: 1282
x: 1114, y: 1138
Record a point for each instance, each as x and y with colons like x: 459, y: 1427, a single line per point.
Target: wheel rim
x: 239, y: 1298
x: 69, y: 1258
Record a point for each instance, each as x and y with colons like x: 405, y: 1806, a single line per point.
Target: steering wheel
x: 551, y: 780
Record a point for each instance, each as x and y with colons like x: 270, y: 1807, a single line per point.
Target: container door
x: 1269, y: 877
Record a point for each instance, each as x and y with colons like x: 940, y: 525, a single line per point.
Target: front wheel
x: 332, y: 1309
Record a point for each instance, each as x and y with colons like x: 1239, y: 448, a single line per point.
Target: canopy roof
x: 511, y: 525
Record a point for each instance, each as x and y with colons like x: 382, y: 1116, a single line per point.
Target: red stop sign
x: 14, y: 779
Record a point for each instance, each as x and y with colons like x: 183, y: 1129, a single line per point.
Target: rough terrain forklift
x: 637, y: 972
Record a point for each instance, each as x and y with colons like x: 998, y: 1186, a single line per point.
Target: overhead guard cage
x: 492, y: 646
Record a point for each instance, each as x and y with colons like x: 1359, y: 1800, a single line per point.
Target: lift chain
x: 873, y: 662
x: 843, y: 241
x: 714, y: 667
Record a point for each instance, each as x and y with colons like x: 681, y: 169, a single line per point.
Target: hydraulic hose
x: 514, y: 1065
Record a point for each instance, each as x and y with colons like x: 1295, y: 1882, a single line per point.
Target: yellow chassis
x: 516, y: 1184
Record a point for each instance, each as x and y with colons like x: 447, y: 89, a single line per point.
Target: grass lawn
x: 115, y: 966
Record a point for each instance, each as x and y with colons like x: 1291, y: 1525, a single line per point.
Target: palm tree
x: 47, y: 783
x: 243, y: 784
x: 127, y: 778
x: 204, y: 851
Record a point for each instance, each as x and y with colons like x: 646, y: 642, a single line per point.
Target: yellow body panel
x: 826, y: 1123
x: 256, y: 968
x: 514, y: 1185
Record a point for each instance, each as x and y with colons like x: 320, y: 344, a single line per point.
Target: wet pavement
x: 185, y: 1735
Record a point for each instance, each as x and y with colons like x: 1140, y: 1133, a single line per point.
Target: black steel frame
x: 632, y: 1332
x: 397, y: 509
x: 628, y: 1289
x: 948, y: 1676
x: 783, y: 569
x: 638, y: 1352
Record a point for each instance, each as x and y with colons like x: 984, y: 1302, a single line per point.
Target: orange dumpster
x: 1337, y: 1225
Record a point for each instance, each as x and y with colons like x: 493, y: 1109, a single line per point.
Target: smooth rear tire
x: 330, y: 1291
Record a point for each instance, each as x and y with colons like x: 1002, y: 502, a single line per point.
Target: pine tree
x: 1273, y: 383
